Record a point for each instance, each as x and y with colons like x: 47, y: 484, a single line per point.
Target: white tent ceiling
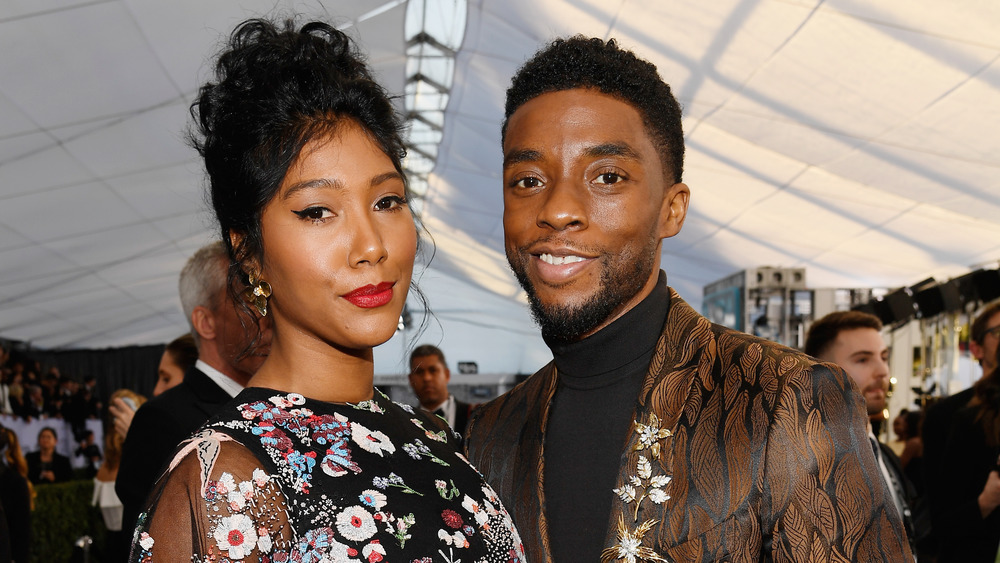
x: 856, y: 139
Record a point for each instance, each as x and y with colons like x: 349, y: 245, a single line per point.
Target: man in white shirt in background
x: 228, y: 355
x: 429, y: 376
x: 853, y: 340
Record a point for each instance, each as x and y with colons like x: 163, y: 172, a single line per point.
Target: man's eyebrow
x: 862, y: 353
x: 307, y: 184
x: 613, y: 149
x: 518, y: 156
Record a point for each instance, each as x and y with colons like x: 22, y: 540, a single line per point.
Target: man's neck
x: 433, y: 408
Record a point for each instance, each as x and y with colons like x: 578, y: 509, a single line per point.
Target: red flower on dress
x: 452, y: 519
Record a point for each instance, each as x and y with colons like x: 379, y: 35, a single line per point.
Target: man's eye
x: 609, y: 178
x: 528, y: 182
x: 314, y: 213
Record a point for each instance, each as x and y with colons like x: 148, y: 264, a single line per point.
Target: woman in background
x: 178, y: 357
x: 104, y: 482
x: 303, y: 153
x: 47, y: 465
x: 972, y: 492
x: 16, y: 495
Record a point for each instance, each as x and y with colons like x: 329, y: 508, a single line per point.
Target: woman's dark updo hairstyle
x: 275, y: 89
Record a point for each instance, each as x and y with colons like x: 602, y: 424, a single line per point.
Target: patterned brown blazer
x: 741, y: 450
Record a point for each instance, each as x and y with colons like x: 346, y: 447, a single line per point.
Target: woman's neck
x: 317, y: 370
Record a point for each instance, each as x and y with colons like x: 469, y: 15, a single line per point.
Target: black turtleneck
x: 599, y: 380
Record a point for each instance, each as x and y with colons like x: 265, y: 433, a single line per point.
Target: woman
x: 303, y: 151
x: 178, y: 357
x: 46, y: 465
x: 104, y: 482
x: 16, y: 495
x: 971, y: 497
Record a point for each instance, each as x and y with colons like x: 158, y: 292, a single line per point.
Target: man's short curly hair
x: 582, y: 62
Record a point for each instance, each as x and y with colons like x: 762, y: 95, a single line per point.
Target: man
x: 853, y: 341
x: 429, y: 376
x: 984, y: 338
x: 653, y: 435
x: 227, y: 357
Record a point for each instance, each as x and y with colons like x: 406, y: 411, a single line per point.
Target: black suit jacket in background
x: 158, y: 427
x: 462, y: 411
x: 61, y: 467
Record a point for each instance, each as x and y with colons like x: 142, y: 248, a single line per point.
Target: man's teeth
x: 559, y: 260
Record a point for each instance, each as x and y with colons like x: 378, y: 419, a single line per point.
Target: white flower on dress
x: 281, y: 402
x: 263, y: 540
x: 236, y: 501
x: 457, y: 539
x: 246, y: 489
x: 372, y: 498
x: 356, y: 524
x: 226, y: 484
x: 260, y: 478
x: 339, y: 553
x: 296, y: 399
x: 487, y: 490
x: 373, y: 552
x: 236, y: 535
x: 476, y: 509
x: 372, y: 441
x: 146, y: 541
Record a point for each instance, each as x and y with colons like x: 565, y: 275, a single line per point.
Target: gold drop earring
x: 257, y: 294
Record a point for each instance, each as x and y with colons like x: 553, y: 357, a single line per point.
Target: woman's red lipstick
x: 371, y: 296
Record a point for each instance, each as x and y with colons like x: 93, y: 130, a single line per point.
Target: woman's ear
x: 249, y: 264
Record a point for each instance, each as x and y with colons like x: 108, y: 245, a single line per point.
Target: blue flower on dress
x: 337, y: 460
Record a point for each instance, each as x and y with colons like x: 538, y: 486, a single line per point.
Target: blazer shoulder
x: 502, y: 418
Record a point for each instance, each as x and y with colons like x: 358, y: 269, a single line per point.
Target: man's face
x: 586, y: 203
x: 864, y: 356
x: 986, y: 352
x: 429, y: 379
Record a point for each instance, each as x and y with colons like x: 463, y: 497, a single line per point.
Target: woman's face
x: 46, y: 441
x: 168, y: 375
x: 339, y: 242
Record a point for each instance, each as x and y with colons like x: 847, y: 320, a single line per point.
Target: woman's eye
x: 314, y: 213
x: 609, y: 178
x: 390, y: 202
x: 528, y: 182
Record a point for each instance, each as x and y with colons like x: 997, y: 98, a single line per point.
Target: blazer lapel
x: 645, y: 485
x: 531, y: 464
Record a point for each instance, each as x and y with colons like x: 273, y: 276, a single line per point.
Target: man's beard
x: 622, y: 277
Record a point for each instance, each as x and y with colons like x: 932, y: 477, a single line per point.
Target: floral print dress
x: 279, y: 478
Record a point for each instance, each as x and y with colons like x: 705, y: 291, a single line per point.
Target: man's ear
x: 203, y: 322
x: 673, y: 210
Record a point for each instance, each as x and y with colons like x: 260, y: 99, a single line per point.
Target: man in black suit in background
x: 429, y: 376
x: 226, y: 361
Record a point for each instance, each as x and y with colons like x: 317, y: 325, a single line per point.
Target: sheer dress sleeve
x: 217, y: 501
